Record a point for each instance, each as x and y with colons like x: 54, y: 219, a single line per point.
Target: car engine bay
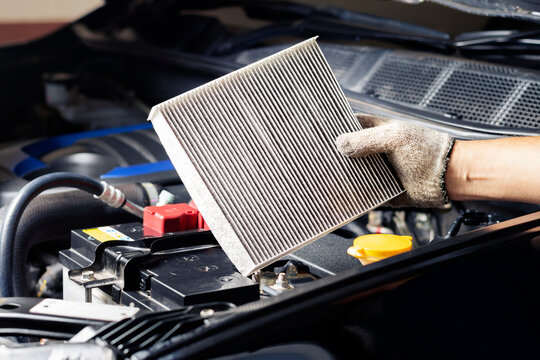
x: 87, y: 280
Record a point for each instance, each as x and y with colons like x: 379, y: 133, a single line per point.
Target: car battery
x: 153, y: 272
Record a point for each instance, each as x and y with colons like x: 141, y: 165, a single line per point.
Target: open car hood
x: 517, y: 9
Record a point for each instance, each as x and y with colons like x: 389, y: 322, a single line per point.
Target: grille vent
x: 477, y: 102
x: 526, y: 113
x: 467, y: 91
x: 256, y: 151
x: 405, y: 82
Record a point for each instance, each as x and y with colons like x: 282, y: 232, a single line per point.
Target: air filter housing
x: 256, y: 151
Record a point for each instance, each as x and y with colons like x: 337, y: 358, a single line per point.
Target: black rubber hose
x: 16, y: 209
x: 51, y: 217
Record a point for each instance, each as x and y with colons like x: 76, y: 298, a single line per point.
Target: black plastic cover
x: 174, y: 273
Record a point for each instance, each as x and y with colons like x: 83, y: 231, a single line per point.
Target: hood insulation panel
x: 256, y: 151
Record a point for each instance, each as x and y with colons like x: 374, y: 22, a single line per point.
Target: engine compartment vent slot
x: 256, y: 151
x: 465, y: 91
x: 468, y: 92
x: 401, y: 81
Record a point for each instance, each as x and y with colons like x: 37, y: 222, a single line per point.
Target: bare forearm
x: 503, y: 169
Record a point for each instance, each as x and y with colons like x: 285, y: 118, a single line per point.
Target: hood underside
x: 518, y: 9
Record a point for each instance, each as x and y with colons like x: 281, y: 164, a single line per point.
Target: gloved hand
x: 418, y: 155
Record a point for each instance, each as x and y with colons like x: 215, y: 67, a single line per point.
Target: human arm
x: 430, y: 165
x: 506, y: 169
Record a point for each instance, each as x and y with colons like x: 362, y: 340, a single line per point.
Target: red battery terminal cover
x: 201, y: 223
x: 158, y: 220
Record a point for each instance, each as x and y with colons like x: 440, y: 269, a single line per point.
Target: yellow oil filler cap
x: 375, y: 247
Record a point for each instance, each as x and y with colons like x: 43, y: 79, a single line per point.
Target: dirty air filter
x: 256, y: 151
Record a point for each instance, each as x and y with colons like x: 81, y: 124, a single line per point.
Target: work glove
x: 418, y: 155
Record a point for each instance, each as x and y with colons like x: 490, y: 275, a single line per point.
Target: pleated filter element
x: 256, y: 151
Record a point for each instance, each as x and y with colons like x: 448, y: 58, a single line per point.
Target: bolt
x: 207, y: 312
x: 226, y: 279
x: 282, y: 283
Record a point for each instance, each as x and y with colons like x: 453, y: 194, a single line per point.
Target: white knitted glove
x: 418, y: 155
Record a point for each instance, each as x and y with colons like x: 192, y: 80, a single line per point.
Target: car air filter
x: 255, y: 149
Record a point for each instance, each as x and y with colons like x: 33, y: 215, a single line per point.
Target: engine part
x: 256, y: 151
x: 120, y: 264
x: 50, y: 283
x: 323, y: 302
x: 114, y: 197
x: 170, y: 218
x: 379, y: 221
x: 17, y: 318
x: 165, y: 198
x: 74, y: 309
x: 471, y: 217
x: 282, y: 283
x: 375, y: 247
x: 10, y: 281
x: 58, y: 351
x: 148, y: 330
x: 17, y: 207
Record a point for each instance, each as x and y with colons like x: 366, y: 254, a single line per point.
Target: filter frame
x: 255, y: 149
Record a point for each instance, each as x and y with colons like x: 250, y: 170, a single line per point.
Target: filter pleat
x: 256, y: 151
